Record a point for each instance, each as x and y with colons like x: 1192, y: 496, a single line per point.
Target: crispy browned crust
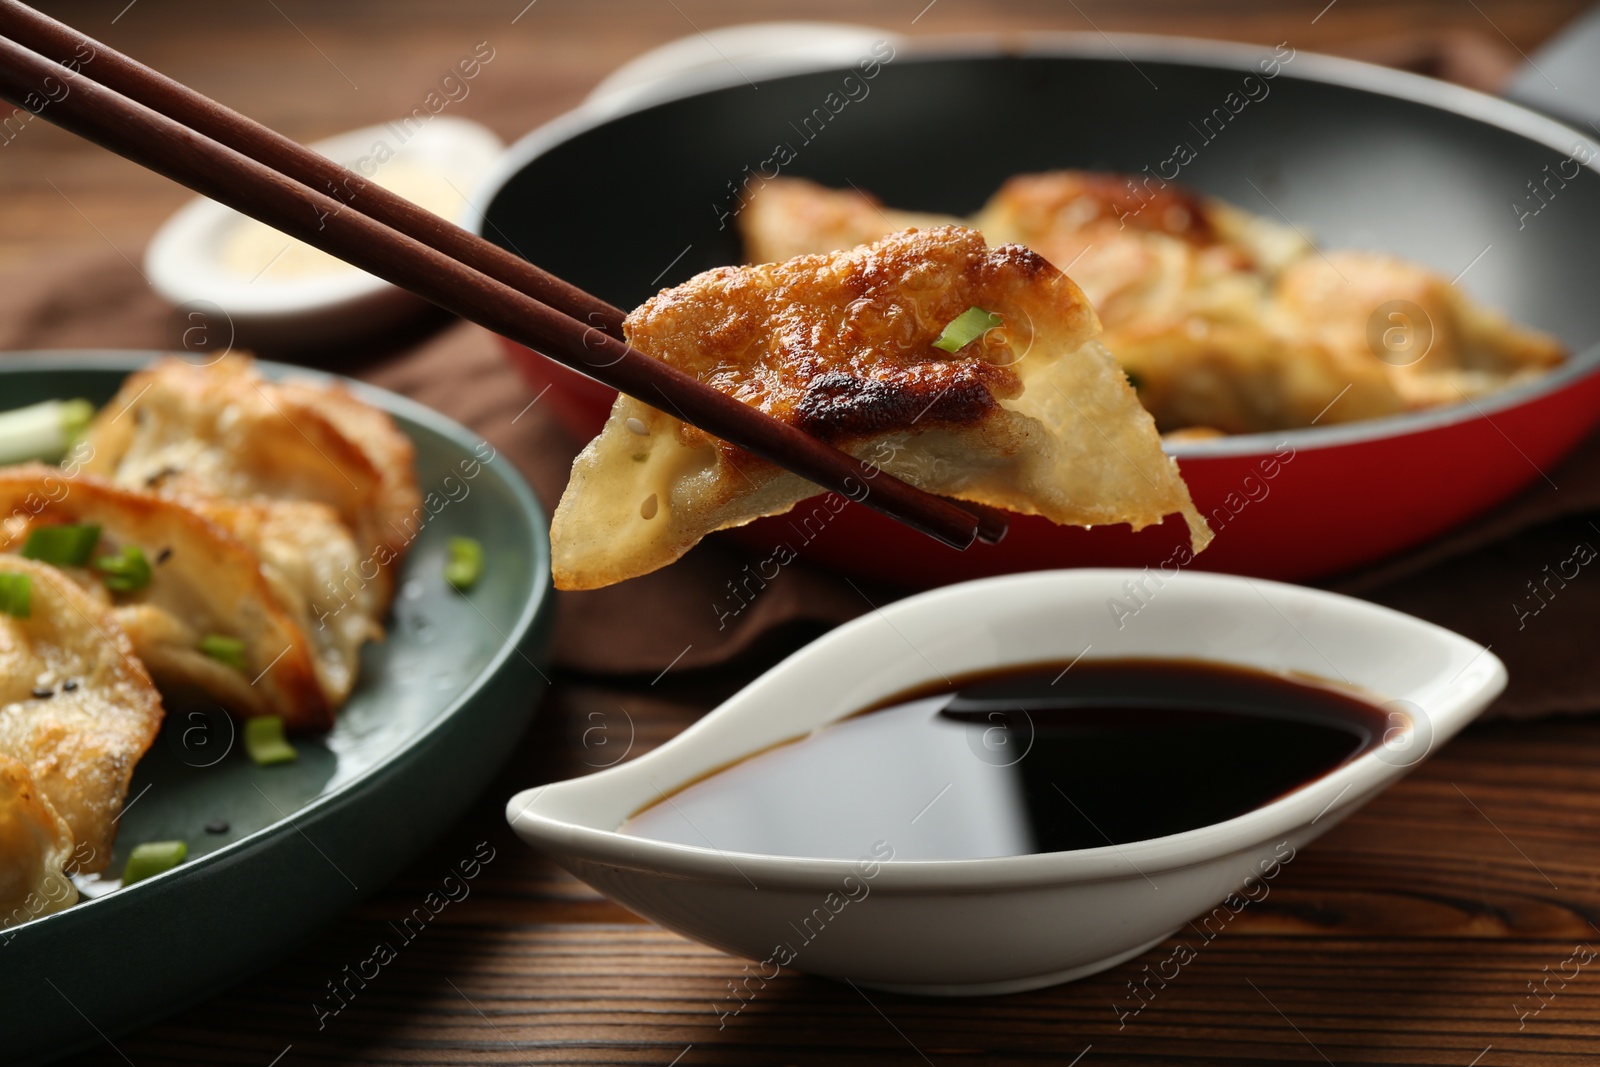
x: 35, y: 849
x: 1033, y: 416
x: 1226, y: 319
x: 390, y: 453
x: 80, y: 744
x: 775, y: 336
x: 1096, y: 203
x: 205, y: 581
x: 788, y: 217
x: 221, y: 430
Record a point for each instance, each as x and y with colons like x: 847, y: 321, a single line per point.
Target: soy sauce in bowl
x: 1044, y: 758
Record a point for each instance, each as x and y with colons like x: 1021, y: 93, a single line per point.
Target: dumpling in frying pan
x: 789, y: 217
x: 1222, y: 318
x: 1181, y: 283
x: 1032, y: 416
x: 1434, y: 344
x: 77, y: 710
x: 222, y: 431
x: 207, y: 590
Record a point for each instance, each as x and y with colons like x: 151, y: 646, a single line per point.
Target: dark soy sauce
x: 1044, y: 758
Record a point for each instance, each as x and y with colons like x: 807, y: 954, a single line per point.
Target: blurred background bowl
x: 281, y: 295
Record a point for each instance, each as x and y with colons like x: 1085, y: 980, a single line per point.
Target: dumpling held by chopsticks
x: 968, y: 371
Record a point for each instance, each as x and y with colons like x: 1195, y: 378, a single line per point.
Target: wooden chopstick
x: 60, y: 42
x: 114, y: 70
x: 75, y: 101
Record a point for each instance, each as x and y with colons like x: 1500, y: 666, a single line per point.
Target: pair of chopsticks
x: 84, y: 86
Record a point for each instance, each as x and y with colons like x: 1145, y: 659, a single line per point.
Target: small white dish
x: 210, y: 259
x: 967, y: 927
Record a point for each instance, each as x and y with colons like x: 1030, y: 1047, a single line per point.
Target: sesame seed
x: 635, y: 426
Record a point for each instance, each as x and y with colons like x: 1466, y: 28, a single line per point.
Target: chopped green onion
x: 128, y: 572
x: 263, y: 739
x: 62, y: 546
x: 75, y: 418
x: 152, y: 858
x: 16, y: 595
x: 228, y: 650
x: 967, y: 327
x: 466, y: 563
x: 42, y: 431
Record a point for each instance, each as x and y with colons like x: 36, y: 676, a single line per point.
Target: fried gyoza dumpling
x: 398, y: 504
x: 1222, y: 318
x: 205, y: 584
x: 1155, y: 253
x: 77, y: 709
x: 789, y: 217
x: 35, y: 850
x: 1180, y: 282
x: 222, y: 431
x: 1435, y: 345
x: 1242, y: 378
x: 1142, y: 249
x: 311, y: 562
x: 1032, y: 416
x: 1183, y: 285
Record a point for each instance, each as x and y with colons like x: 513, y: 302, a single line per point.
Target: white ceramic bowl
x: 982, y: 926
x: 186, y: 260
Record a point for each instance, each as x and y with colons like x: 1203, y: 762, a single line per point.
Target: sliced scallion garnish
x: 465, y: 566
x: 967, y: 327
x: 152, y: 858
x: 226, y: 650
x: 42, y: 431
x: 127, y: 572
x: 16, y: 595
x: 65, y: 545
x: 264, y: 741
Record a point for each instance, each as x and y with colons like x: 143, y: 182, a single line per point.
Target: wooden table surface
x: 1412, y: 933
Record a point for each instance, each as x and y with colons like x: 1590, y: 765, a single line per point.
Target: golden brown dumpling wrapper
x: 789, y: 217
x: 317, y: 575
x: 1144, y: 252
x: 222, y: 431
x: 81, y: 741
x: 1241, y: 378
x: 398, y: 512
x: 1224, y: 319
x: 205, y: 581
x: 35, y: 850
x: 1034, y: 417
x: 1432, y: 342
x: 1181, y: 283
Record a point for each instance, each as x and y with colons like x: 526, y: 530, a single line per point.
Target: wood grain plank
x: 1409, y: 934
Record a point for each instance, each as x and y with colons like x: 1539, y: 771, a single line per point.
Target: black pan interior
x: 640, y: 202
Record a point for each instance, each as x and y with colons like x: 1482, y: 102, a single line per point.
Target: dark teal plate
x: 439, y: 706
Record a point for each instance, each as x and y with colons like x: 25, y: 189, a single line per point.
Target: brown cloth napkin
x: 1497, y: 580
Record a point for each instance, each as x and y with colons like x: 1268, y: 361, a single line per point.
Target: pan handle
x: 1562, y: 78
